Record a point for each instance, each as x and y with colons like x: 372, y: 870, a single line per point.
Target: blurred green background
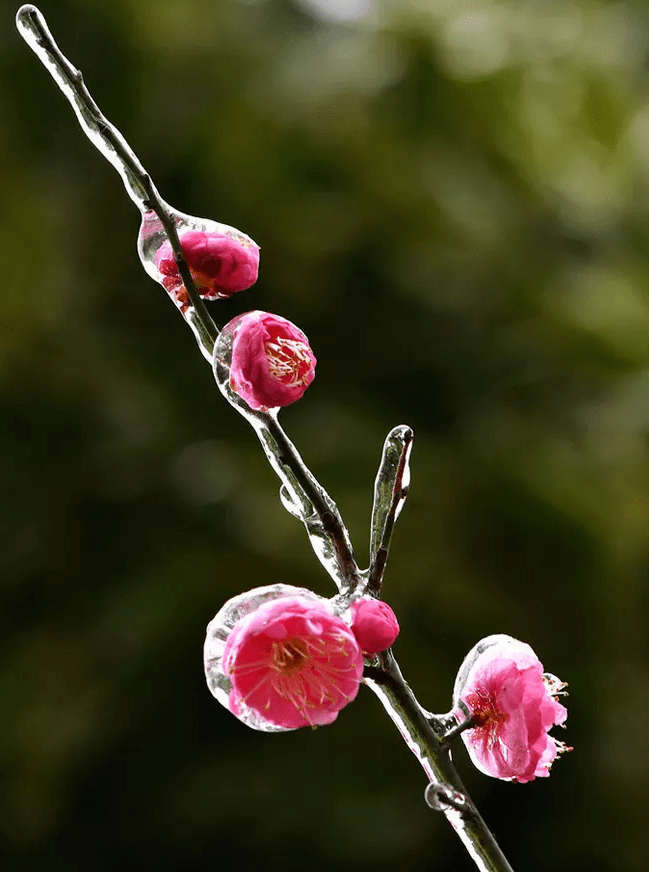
x: 451, y: 200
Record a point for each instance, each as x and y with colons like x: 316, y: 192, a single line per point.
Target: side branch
x: 390, y: 491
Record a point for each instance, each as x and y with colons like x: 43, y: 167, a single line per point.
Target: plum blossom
x: 374, y: 624
x: 272, y: 363
x: 220, y: 264
x: 288, y: 662
x: 501, y: 686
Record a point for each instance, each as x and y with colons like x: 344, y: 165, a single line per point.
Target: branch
x: 390, y: 491
x: 301, y: 494
x: 445, y: 791
x: 110, y: 142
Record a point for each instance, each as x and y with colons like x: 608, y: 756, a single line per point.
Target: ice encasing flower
x: 221, y: 259
x: 220, y: 264
x: 288, y: 661
x: 502, y: 687
x: 374, y: 624
x: 272, y: 364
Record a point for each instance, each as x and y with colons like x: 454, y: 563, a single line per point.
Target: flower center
x: 290, y: 656
x: 289, y: 360
x: 484, y: 710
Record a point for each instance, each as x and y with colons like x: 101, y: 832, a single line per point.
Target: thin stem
x: 390, y: 491
x: 110, y: 142
x: 301, y: 494
x: 323, y: 505
x: 457, y: 730
x: 388, y: 684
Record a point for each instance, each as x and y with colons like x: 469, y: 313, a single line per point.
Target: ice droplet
x: 440, y: 797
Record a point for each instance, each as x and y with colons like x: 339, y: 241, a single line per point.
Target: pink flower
x: 272, y: 363
x: 291, y: 663
x: 374, y: 624
x: 502, y: 687
x: 220, y: 264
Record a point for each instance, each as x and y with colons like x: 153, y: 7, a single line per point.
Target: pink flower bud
x: 502, y: 687
x: 220, y: 264
x: 374, y: 624
x: 288, y: 663
x: 272, y: 364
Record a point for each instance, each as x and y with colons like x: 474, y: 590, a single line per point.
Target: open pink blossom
x: 220, y: 264
x: 292, y: 662
x: 374, y: 624
x: 502, y: 688
x: 272, y: 363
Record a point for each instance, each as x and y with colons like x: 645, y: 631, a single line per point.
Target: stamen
x: 290, y: 657
x: 265, y: 677
x: 305, y: 674
x: 289, y: 360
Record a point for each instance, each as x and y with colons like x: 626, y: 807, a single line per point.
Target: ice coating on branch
x: 300, y: 493
x: 280, y: 658
x: 374, y: 624
x: 221, y: 259
x: 390, y: 491
x: 501, y: 685
x: 272, y: 363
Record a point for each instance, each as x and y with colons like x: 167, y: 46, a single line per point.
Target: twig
x: 110, y: 142
x: 302, y: 495
x: 388, y: 684
x: 390, y: 491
